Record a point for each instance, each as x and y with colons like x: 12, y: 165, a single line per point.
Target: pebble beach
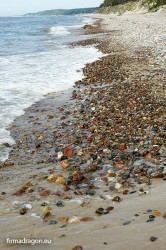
x: 88, y: 167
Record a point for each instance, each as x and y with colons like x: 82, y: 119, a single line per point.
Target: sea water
x: 35, y: 59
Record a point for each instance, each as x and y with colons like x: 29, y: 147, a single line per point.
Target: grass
x: 148, y: 5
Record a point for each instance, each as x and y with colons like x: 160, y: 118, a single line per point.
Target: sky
x: 18, y: 7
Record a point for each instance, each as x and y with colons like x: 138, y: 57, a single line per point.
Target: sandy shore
x: 99, y: 145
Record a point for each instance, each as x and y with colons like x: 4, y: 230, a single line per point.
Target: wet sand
x: 112, y: 125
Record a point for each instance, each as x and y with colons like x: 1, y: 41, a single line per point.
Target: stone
x: 60, y: 180
x: 63, y: 219
x: 156, y: 213
x: 110, y: 208
x: 45, y: 203
x: 60, y: 203
x: 79, y: 247
x: 68, y: 152
x: 150, y: 220
x: 51, y: 178
x: 153, y: 238
x: 116, y: 199
x: 118, y: 185
x: 100, y: 211
x: 151, y: 216
x: 64, y: 165
x: 23, y: 210
x: 126, y: 223
x: 164, y: 215
x: 74, y: 219
x: 89, y: 26
x: 53, y: 222
x: 87, y: 219
x: 45, y: 193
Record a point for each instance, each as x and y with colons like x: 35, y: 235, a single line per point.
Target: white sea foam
x: 35, y: 63
x: 25, y: 78
x: 89, y: 20
x: 58, y: 30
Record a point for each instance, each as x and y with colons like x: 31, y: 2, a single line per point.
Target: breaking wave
x: 58, y: 30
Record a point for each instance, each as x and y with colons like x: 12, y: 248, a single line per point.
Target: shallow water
x: 35, y: 59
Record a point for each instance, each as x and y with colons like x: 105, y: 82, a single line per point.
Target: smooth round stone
x: 45, y: 203
x: 151, y: 216
x: 53, y: 222
x: 100, y: 210
x: 118, y: 185
x: 126, y: 223
x: 92, y: 192
x: 153, y: 238
x: 23, y: 210
x: 150, y: 219
x: 60, y: 204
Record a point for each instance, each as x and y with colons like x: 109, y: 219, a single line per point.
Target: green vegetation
x: 156, y: 3
x: 108, y: 3
x: 64, y: 12
x: 121, y: 6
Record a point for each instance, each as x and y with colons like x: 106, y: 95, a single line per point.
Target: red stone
x: 68, y: 152
x: 45, y: 193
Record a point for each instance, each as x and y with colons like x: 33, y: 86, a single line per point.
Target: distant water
x: 35, y: 59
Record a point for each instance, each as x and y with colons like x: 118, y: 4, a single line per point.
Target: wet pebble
x: 150, y: 220
x: 79, y: 247
x: 45, y: 193
x: 101, y: 211
x: 149, y: 210
x: 153, y: 238
x: 164, y: 215
x: 74, y: 219
x: 53, y: 222
x: 156, y: 213
x: 126, y: 223
x: 87, y: 219
x: 45, y: 203
x: 23, y: 210
x: 116, y: 199
x: 110, y: 208
x: 151, y: 216
x: 60, y: 203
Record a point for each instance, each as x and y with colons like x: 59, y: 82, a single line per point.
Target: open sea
x: 35, y: 59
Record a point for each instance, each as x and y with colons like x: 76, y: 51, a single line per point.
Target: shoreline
x: 101, y: 167
x: 70, y: 73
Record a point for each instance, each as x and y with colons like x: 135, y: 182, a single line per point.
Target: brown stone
x: 87, y: 219
x: 77, y: 248
x: 159, y: 175
x: 45, y: 193
x: 153, y: 238
x: 110, y: 208
x: 68, y: 152
x: 116, y: 198
x: 156, y: 213
x: 23, y: 210
x: 112, y: 174
x: 164, y: 215
x: 63, y: 219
